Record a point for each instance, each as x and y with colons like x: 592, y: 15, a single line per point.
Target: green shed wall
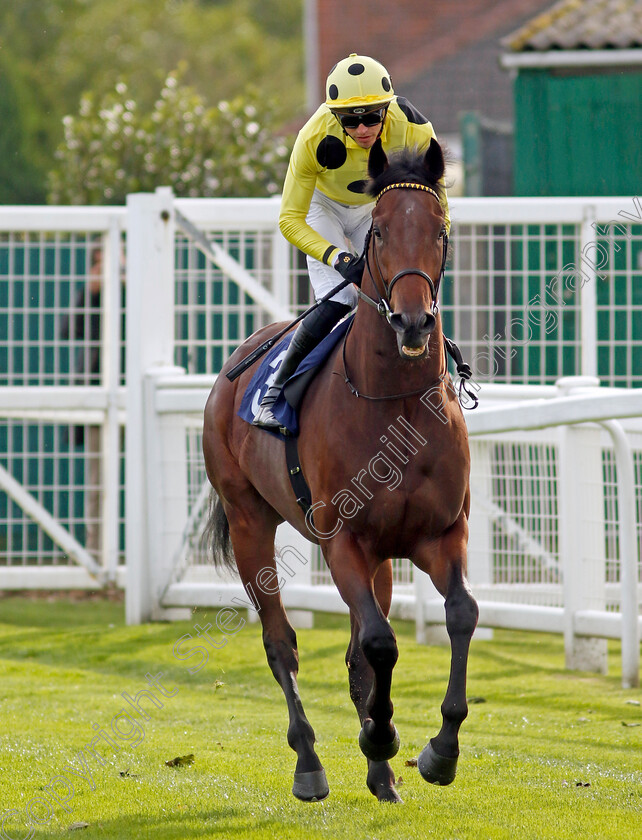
x: 578, y: 133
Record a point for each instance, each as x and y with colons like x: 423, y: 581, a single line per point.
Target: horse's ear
x: 434, y: 160
x: 377, y: 160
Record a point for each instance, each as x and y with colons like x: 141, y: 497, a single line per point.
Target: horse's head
x: 407, y: 246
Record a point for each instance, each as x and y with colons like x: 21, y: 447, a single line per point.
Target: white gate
x: 61, y: 396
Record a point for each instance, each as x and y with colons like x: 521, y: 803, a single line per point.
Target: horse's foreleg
x: 353, y: 574
x: 437, y: 762
x: 380, y: 779
x: 279, y: 641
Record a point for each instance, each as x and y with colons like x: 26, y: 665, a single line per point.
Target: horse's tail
x: 216, y: 535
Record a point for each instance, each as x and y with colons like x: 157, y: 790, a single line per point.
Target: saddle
x: 286, y: 408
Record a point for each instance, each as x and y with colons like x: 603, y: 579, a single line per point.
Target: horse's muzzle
x: 412, y: 333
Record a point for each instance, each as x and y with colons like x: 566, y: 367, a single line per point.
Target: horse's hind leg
x: 259, y: 574
x: 380, y: 779
x: 437, y: 762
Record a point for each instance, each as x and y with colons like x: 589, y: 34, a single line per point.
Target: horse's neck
x: 374, y: 362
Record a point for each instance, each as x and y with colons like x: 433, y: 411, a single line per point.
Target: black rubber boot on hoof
x: 374, y: 751
x: 436, y: 769
x: 310, y: 787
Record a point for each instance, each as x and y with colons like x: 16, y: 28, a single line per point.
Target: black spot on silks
x: 357, y: 186
x: 412, y: 114
x: 331, y: 153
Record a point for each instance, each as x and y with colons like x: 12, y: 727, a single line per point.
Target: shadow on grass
x: 224, y: 822
x: 60, y: 611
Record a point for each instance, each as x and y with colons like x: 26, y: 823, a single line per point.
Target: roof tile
x: 581, y: 24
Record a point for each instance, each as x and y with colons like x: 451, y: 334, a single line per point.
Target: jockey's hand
x: 350, y: 267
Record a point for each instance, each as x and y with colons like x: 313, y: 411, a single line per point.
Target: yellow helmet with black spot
x: 357, y: 82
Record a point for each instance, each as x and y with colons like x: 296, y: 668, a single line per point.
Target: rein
x: 383, y: 306
x: 353, y: 390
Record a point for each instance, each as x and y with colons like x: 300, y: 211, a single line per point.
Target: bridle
x: 382, y: 305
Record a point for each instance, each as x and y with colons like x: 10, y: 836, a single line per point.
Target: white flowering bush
x: 111, y: 148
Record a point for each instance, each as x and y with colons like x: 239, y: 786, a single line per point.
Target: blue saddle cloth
x: 285, y: 413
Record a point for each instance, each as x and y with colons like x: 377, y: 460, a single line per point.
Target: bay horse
x: 389, y: 375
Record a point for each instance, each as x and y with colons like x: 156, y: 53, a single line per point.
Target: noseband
x: 383, y: 304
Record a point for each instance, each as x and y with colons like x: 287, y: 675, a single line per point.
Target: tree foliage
x: 114, y: 147
x: 17, y: 171
x: 59, y: 50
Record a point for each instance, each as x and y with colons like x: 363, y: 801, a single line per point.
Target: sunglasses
x: 369, y: 119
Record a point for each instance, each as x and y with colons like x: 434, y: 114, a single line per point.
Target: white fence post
x: 581, y: 532
x: 150, y: 341
x: 110, y: 438
x: 281, y: 271
x: 588, y: 292
x: 480, y: 538
x: 629, y: 555
x: 166, y: 488
x: 294, y: 561
x: 428, y: 603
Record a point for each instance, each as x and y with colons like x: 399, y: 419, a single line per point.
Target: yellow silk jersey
x: 327, y: 159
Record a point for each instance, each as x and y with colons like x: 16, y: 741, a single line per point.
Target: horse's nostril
x: 421, y: 325
x: 399, y: 321
x: 429, y: 322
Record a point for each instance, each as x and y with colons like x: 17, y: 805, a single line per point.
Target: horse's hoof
x: 436, y: 769
x: 310, y: 787
x: 389, y: 795
x: 377, y: 752
x: 381, y: 782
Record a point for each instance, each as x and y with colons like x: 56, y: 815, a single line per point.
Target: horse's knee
x: 462, y: 613
x: 380, y: 649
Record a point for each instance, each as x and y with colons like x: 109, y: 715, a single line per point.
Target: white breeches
x: 346, y: 227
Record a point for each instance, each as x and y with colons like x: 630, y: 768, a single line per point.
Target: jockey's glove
x: 350, y: 267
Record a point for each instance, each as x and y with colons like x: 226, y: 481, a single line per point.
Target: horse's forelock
x: 404, y: 165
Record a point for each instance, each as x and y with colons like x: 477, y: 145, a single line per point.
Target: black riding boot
x: 312, y: 330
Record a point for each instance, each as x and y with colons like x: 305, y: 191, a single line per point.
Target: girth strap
x: 295, y: 474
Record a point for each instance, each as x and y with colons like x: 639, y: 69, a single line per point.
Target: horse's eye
x: 377, y: 233
x: 442, y: 233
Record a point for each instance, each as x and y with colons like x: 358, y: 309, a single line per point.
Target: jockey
x: 324, y: 211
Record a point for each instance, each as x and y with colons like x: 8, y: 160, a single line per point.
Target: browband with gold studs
x: 408, y: 185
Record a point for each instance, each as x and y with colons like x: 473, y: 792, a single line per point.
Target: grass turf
x: 544, y: 753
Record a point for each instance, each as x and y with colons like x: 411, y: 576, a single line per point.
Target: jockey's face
x: 364, y: 135
x: 364, y: 126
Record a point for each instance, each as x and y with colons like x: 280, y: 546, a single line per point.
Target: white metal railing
x: 540, y: 288
x: 61, y: 396
x: 581, y: 514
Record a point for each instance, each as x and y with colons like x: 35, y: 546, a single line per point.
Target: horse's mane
x: 407, y: 164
